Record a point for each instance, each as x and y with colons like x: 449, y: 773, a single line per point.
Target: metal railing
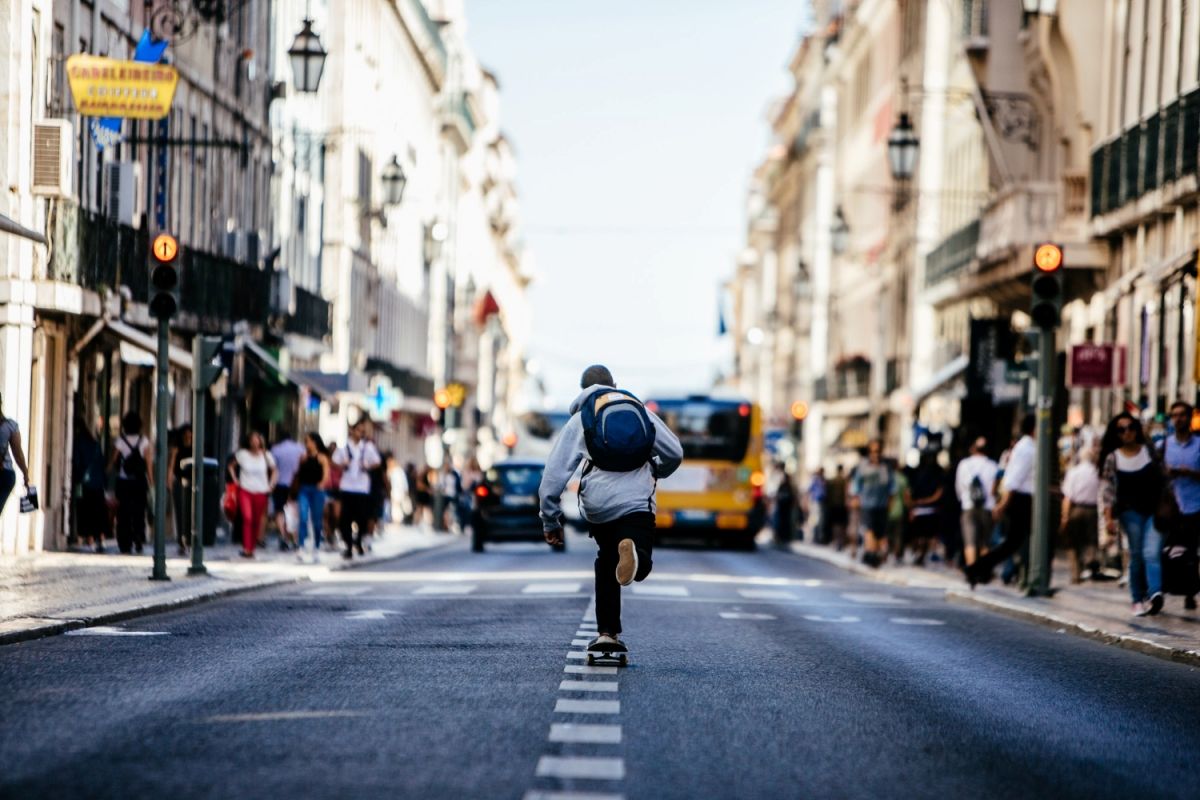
x: 953, y: 255
x: 311, y: 317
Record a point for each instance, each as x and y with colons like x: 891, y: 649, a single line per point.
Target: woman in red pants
x: 255, y: 477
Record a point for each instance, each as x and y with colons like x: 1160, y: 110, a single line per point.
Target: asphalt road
x: 440, y: 675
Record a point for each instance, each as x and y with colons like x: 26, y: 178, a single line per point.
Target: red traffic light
x: 441, y: 399
x: 799, y: 410
x: 1048, y: 257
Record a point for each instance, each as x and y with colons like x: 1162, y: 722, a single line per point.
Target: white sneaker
x: 1139, y: 609
x: 628, y: 563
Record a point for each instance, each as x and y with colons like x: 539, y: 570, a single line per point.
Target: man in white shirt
x: 974, y: 482
x: 357, y: 457
x: 287, y: 453
x: 1016, y: 504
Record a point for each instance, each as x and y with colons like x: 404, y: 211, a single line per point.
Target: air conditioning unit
x: 122, y: 199
x: 53, y: 155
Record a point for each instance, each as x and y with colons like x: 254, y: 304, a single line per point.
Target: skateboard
x: 608, y: 656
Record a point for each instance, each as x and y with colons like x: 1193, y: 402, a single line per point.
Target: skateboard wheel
x: 591, y: 660
x: 624, y: 661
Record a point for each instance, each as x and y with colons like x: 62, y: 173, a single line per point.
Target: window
x: 975, y: 19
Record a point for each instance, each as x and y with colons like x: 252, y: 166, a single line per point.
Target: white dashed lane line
x: 745, y: 615
x: 579, y: 642
x: 340, y: 591
x: 551, y: 588
x: 578, y: 655
x: 875, y: 598
x: 916, y: 621
x: 567, y: 706
x: 535, y: 795
x: 587, y: 686
x: 819, y: 618
x: 581, y: 669
x: 585, y: 734
x: 596, y: 768
x: 766, y: 594
x: 661, y: 590
x: 447, y: 588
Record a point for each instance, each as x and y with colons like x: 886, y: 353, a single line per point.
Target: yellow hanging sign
x: 105, y: 87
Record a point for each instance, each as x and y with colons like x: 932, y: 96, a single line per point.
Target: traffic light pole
x: 160, y: 455
x: 199, y: 412
x: 1039, y: 543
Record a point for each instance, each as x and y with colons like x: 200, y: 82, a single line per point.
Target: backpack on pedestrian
x: 976, y: 493
x: 133, y: 464
x: 617, y: 430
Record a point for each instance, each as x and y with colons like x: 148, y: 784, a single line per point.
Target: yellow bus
x: 717, y: 493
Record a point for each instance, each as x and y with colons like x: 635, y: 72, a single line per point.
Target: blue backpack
x: 617, y: 430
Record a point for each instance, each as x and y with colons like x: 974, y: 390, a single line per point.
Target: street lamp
x: 435, y: 235
x: 902, y: 148
x: 308, y: 58
x: 394, y: 181
x: 840, y: 232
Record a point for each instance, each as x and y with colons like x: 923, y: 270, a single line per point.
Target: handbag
x: 229, y: 503
x: 29, y: 503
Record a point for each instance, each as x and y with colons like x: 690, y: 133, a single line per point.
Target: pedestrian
x: 471, y: 478
x: 815, y: 501
x: 783, y: 497
x: 356, y: 458
x: 256, y: 476
x: 287, y: 453
x: 87, y: 470
x: 333, y: 499
x: 835, y: 500
x: 381, y: 489
x: 616, y: 491
x: 1181, y: 457
x: 898, y: 514
x: 871, y: 492
x: 399, y: 508
x: 410, y: 481
x: 134, y: 464
x: 1079, y: 523
x: 1131, y: 483
x: 449, y: 486
x: 1015, y: 505
x: 180, y: 450
x: 425, y: 483
x: 309, y: 485
x: 974, y: 485
x: 927, y: 485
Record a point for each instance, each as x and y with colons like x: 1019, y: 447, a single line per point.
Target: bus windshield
x: 711, y: 430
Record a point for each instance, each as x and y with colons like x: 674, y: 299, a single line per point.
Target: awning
x: 145, y: 342
x: 9, y: 225
x: 267, y: 360
x: 324, y: 384
x: 940, y: 378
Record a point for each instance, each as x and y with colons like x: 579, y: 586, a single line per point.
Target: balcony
x: 458, y: 120
x: 953, y: 255
x: 311, y: 317
x: 1156, y: 152
x: 1020, y: 214
x: 851, y: 378
x: 97, y: 254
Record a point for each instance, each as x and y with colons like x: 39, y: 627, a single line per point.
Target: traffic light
x: 1048, y: 285
x: 208, y: 360
x: 799, y: 412
x: 164, y: 276
x: 441, y: 399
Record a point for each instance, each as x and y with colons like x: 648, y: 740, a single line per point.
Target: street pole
x: 160, y: 456
x: 1039, y: 544
x: 199, y: 412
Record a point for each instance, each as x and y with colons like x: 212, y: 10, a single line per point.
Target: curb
x: 998, y: 605
x: 60, y: 626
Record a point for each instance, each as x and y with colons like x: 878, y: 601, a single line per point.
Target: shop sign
x: 106, y: 87
x: 1096, y: 366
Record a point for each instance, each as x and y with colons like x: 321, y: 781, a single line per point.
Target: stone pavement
x: 50, y: 593
x: 1098, y: 611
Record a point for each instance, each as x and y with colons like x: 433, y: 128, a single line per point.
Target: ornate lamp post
x: 394, y: 181
x: 308, y: 58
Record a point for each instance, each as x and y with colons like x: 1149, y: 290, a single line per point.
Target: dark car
x: 506, y: 504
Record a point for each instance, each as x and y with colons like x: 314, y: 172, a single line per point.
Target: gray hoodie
x: 605, y: 495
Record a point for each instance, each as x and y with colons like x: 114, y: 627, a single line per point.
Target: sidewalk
x: 50, y: 593
x: 1095, y: 610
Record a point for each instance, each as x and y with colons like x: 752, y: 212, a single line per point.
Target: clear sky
x: 636, y: 127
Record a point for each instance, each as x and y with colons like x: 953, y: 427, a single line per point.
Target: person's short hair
x: 979, y: 445
x: 1185, y: 405
x: 131, y: 423
x: 284, y: 434
x: 596, y: 374
x: 1028, y: 424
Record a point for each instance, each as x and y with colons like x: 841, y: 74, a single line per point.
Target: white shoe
x: 628, y: 562
x: 1139, y: 609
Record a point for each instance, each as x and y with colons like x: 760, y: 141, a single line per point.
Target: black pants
x: 1020, y: 522
x: 131, y: 514
x: 356, y: 513
x: 640, y: 528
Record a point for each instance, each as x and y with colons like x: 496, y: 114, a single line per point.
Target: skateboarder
x: 625, y: 449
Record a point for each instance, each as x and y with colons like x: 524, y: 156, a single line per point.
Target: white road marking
x: 109, y: 630
x: 585, y: 734
x: 447, y: 588
x: 577, y: 654
x: 609, y: 769
x: 534, y: 794
x: 873, y: 597
x: 745, y: 615
x: 580, y: 642
x: 588, y: 686
x: 582, y: 669
x: 591, y: 633
x: 916, y: 621
x: 551, y: 588
x: 660, y: 590
x: 371, y: 613
x: 276, y: 716
x: 819, y: 618
x: 345, y: 591
x: 766, y: 594
x: 564, y: 706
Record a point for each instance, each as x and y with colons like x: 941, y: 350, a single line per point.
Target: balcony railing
x: 311, y: 317
x: 1022, y: 213
x: 218, y: 289
x: 1158, y: 150
x: 845, y: 383
x: 953, y: 255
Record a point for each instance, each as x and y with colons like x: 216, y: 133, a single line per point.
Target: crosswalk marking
x: 587, y: 686
x: 447, y: 588
x: 612, y: 769
x: 565, y: 706
x: 579, y: 642
x: 591, y: 633
x: 551, y: 588
x: 661, y: 590
x: 582, y: 669
x: 578, y: 655
x: 585, y: 734
x: 766, y: 594
x: 875, y: 597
